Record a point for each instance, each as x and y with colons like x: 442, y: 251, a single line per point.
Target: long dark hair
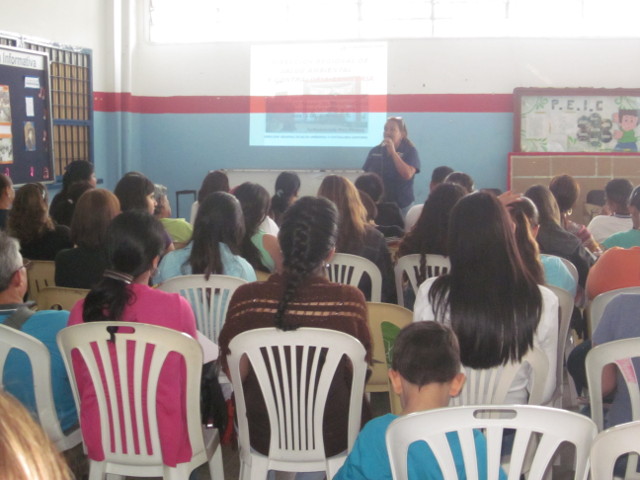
x: 255, y: 203
x: 525, y: 215
x: 134, y: 239
x: 287, y: 187
x: 545, y: 202
x: 429, y: 235
x: 493, y: 301
x: 219, y: 220
x: 308, y: 233
x: 132, y: 190
x: 216, y: 181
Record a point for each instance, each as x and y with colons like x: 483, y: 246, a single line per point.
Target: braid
x: 422, y: 271
x: 307, y: 235
x: 296, y: 268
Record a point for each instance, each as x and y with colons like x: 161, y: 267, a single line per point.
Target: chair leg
x: 96, y: 470
x: 179, y: 472
x: 216, y: 470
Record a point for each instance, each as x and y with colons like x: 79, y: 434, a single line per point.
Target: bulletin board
x: 576, y: 120
x: 26, y: 147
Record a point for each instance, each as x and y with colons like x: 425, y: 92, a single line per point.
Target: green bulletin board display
x: 26, y: 148
x: 576, y: 120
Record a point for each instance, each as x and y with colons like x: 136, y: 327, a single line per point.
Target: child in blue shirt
x: 425, y: 372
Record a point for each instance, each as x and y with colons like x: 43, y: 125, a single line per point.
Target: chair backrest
x: 565, y: 305
x: 133, y: 361
x: 600, y: 302
x: 385, y: 322
x: 436, y: 265
x: 262, y: 276
x: 40, y: 360
x: 621, y: 353
x: 209, y: 299
x: 41, y: 274
x: 59, y: 298
x: 295, y: 396
x: 554, y: 426
x: 490, y: 386
x: 349, y: 270
x: 611, y: 444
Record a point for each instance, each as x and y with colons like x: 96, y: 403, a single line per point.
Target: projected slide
x: 318, y: 94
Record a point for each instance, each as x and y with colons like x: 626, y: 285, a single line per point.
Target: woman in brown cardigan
x: 301, y: 297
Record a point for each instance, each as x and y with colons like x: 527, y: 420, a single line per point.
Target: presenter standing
x: 396, y: 161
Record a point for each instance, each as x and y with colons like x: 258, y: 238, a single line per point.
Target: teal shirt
x: 17, y: 375
x: 369, y: 459
x: 628, y: 239
x: 265, y: 256
x: 176, y: 263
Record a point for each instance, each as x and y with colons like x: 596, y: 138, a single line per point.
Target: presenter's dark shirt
x: 3, y: 219
x: 396, y: 188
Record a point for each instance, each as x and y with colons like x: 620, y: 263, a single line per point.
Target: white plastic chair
x: 565, y: 304
x: 490, y: 386
x: 209, y: 299
x: 295, y: 396
x: 385, y: 320
x: 436, y: 265
x: 620, y: 353
x: 40, y: 361
x: 611, y: 444
x: 598, y: 304
x: 554, y: 426
x: 139, y: 343
x: 349, y: 270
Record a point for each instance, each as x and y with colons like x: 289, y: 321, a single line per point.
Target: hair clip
x: 122, y: 277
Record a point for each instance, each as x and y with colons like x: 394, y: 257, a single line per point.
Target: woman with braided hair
x: 301, y: 297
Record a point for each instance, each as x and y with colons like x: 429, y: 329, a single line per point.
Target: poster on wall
x: 576, y: 120
x: 26, y: 150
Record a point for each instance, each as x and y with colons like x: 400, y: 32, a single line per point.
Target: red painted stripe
x: 475, y: 103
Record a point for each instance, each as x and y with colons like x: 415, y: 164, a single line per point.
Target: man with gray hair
x: 43, y: 325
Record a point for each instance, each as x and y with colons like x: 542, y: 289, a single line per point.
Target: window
x: 193, y: 21
x: 71, y: 99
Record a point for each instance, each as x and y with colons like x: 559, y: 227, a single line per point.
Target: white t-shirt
x: 603, y: 226
x: 545, y: 338
x: 412, y: 217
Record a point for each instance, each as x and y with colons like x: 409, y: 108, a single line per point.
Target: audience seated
x: 75, y: 172
x: 425, y: 372
x: 301, y: 296
x: 258, y: 247
x: 490, y: 299
x: 287, y: 188
x: 215, y: 246
x: 437, y: 177
x: 43, y: 325
x: 356, y: 236
x: 430, y: 233
x: 628, y: 238
x: 462, y: 179
x: 215, y: 181
x: 29, y: 222
x: 137, y: 192
x: 565, y: 189
x: 617, y: 193
x: 135, y: 243
x: 82, y: 266
x: 7, y: 195
x: 25, y: 450
x: 178, y: 229
x: 616, y: 268
x: 389, y: 217
x: 555, y: 240
x: 546, y: 269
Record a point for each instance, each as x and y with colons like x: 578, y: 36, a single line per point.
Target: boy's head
x: 628, y: 119
x: 438, y: 175
x: 426, y: 354
x: 617, y: 192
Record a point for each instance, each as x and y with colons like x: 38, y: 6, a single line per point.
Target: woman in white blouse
x: 489, y: 298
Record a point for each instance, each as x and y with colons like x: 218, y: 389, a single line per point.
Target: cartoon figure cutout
x: 627, y: 121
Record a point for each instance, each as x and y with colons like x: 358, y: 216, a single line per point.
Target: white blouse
x: 545, y: 338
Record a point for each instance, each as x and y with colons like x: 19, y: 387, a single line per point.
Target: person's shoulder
x: 50, y: 319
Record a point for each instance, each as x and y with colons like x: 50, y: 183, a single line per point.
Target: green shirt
x: 628, y: 239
